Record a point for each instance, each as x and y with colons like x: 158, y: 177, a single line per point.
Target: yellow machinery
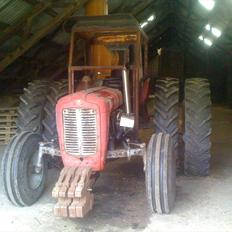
x: 100, y: 55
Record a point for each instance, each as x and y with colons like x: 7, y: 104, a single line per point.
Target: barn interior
x: 186, y: 39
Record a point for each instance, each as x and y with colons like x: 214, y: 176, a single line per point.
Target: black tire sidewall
x: 23, y: 153
x: 166, y: 174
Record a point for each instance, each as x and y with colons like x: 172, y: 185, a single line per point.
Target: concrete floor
x: 202, y: 204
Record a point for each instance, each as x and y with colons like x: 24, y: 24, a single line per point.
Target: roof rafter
x: 33, y: 39
x: 12, y: 29
x: 49, y: 10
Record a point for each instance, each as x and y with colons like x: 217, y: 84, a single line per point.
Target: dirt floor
x: 202, y: 204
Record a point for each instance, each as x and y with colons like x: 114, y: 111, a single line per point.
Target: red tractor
x: 97, y: 120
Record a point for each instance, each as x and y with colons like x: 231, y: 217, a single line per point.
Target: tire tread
x: 197, y: 127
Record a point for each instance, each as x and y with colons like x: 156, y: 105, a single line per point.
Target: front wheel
x: 22, y: 184
x: 161, y: 173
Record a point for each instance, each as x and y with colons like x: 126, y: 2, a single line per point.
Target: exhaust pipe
x: 126, y: 90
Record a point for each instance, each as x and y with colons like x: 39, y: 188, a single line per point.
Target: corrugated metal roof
x: 13, y: 10
x: 188, y: 21
x: 10, y: 12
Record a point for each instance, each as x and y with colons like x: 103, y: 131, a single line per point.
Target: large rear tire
x: 197, y: 127
x: 31, y: 107
x: 166, y: 107
x: 22, y: 184
x: 57, y: 90
x: 161, y: 174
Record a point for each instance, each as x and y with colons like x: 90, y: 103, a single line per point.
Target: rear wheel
x: 166, y: 114
x: 197, y: 127
x: 22, y: 184
x: 166, y: 107
x: 161, y: 174
x: 57, y: 90
x: 31, y: 107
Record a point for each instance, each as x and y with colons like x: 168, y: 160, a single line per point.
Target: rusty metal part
x: 121, y: 153
x: 112, y: 30
x: 100, y: 55
x: 73, y: 190
x: 48, y: 148
x: 85, y: 83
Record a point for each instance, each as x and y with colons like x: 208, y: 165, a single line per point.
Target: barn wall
x: 168, y: 64
x: 212, y: 68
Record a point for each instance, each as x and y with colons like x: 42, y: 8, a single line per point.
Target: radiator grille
x: 80, y: 131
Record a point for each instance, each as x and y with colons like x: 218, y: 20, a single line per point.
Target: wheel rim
x: 34, y: 178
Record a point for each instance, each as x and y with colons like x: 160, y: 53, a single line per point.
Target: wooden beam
x: 187, y: 19
x: 165, y: 14
x: 160, y: 27
x: 162, y: 20
x: 51, y: 25
x: 160, y: 36
x: 11, y: 30
x: 190, y: 40
x: 49, y: 11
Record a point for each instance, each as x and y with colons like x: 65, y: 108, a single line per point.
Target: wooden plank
x: 5, y: 121
x: 8, y: 128
x: 3, y: 127
x: 49, y: 11
x: 8, y: 108
x: 8, y: 113
x: 5, y: 115
x: 8, y: 117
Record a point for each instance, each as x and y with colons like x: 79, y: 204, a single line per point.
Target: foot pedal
x: 73, y: 191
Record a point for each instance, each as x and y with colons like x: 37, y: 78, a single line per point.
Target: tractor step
x: 73, y: 190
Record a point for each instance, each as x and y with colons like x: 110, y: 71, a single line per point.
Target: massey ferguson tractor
x: 94, y: 117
